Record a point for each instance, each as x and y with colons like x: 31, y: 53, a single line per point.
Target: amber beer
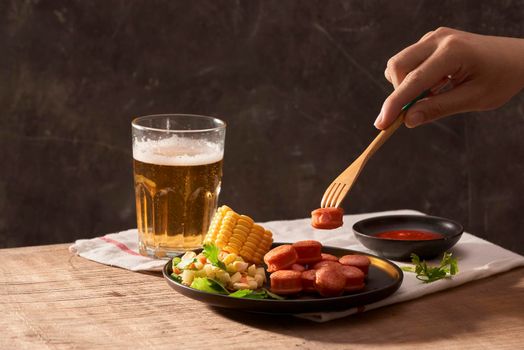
x: 177, y: 183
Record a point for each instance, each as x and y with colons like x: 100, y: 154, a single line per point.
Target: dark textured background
x: 298, y: 82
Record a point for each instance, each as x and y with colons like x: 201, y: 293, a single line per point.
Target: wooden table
x: 50, y: 299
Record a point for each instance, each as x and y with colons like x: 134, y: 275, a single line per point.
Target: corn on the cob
x: 238, y: 234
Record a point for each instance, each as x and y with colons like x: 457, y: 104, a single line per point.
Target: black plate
x: 400, y: 250
x: 384, y: 278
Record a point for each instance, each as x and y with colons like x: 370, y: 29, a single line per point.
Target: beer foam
x: 177, y: 151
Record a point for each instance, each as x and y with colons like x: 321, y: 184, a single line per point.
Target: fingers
x: 386, y: 74
x: 408, y: 59
x: 460, y: 99
x: 427, y: 35
x: 425, y: 76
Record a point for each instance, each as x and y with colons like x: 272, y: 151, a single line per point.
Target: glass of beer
x: 177, y: 162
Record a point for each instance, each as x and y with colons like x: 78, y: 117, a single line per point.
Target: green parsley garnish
x: 427, y: 274
x: 211, y: 253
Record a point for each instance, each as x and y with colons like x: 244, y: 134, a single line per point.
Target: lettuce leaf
x: 255, y: 294
x: 211, y: 253
x: 208, y: 285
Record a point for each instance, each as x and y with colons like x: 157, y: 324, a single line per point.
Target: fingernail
x: 415, y: 119
x: 378, y: 120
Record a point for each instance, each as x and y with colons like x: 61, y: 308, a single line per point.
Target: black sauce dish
x: 400, y: 250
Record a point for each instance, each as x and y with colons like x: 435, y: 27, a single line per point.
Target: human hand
x: 485, y: 71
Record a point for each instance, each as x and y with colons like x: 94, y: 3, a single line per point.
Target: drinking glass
x: 177, y: 162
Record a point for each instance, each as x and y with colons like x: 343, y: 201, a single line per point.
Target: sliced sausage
x: 330, y: 281
x: 325, y: 263
x: 327, y: 218
x: 308, y: 251
x: 326, y: 256
x: 298, y: 267
x: 280, y: 258
x: 286, y: 282
x: 308, y: 280
x: 354, y: 278
x: 360, y: 261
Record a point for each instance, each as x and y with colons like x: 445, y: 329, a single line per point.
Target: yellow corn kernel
x: 240, y: 227
x: 231, y: 216
x: 220, y: 244
x: 223, y: 236
x: 247, y: 251
x: 248, y: 219
x: 224, y: 209
x: 244, y: 223
x: 257, y: 231
x: 252, y: 241
x: 227, y: 226
x: 238, y: 234
x: 229, y: 258
x: 231, y: 269
x: 235, y: 241
x: 230, y: 249
x: 234, y: 247
x: 251, y: 245
x: 241, y: 234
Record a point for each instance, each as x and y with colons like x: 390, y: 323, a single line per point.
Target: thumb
x: 458, y: 100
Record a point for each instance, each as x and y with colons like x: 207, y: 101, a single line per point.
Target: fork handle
x: 387, y: 132
x: 383, y: 136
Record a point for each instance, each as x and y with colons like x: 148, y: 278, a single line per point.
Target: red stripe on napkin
x: 120, y: 245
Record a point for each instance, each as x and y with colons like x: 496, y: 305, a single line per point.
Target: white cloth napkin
x: 477, y: 258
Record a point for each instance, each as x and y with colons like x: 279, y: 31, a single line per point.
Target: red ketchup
x: 409, y: 235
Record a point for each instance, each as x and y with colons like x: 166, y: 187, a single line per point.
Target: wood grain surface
x: 50, y: 299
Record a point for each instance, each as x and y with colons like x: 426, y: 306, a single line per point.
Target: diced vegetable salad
x: 219, y: 272
x: 237, y: 274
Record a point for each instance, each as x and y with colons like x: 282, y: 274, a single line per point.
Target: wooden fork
x: 339, y: 188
